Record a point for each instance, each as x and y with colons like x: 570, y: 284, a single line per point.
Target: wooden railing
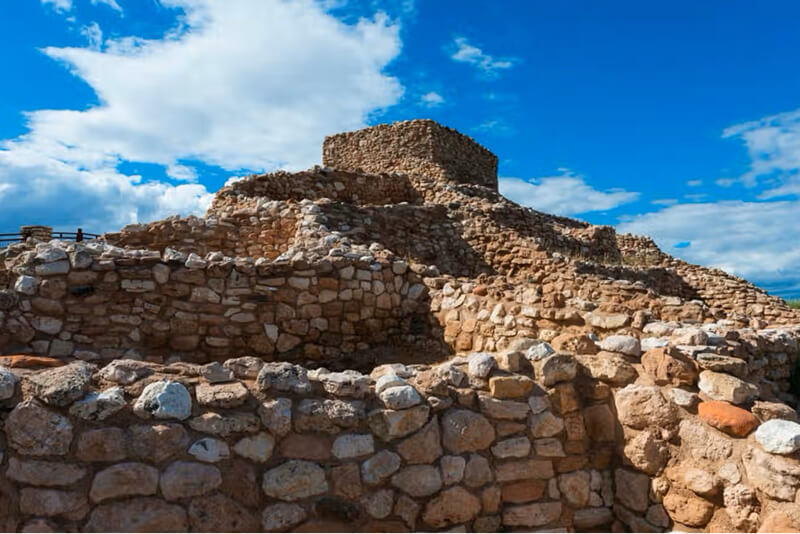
x: 80, y: 235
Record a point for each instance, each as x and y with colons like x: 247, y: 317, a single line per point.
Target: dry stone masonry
x: 386, y: 344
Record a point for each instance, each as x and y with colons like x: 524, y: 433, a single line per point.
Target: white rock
x: 654, y: 343
x: 8, y: 383
x: 99, y: 406
x: 257, y: 448
x: 353, y: 446
x: 627, y: 345
x: 683, y: 398
x: 481, y: 364
x: 388, y: 381
x: 195, y: 262
x: 210, y: 450
x: 400, y: 397
x: 538, y: 351
x: 26, y: 285
x: 779, y: 436
x: 164, y: 400
x: 724, y: 387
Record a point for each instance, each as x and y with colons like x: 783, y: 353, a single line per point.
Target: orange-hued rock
x: 24, y: 360
x: 727, y: 417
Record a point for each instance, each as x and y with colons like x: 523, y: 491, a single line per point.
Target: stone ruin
x: 387, y: 344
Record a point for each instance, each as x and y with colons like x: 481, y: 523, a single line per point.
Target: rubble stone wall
x: 101, y: 302
x: 419, y: 147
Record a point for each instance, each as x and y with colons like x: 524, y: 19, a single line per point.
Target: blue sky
x: 679, y: 120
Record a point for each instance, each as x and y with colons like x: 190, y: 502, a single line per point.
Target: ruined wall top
x: 419, y: 146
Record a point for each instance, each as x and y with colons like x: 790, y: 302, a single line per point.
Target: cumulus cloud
x: 566, y: 194
x: 773, y: 144
x: 431, y: 99
x: 61, y: 6
x: 464, y: 52
x: 246, y: 86
x: 110, y: 3
x: 750, y: 239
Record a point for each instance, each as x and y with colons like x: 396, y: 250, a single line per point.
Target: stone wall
x: 101, y: 302
x: 417, y: 147
x: 600, y: 438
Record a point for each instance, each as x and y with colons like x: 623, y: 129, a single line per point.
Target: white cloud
x: 665, y: 201
x: 94, y: 35
x: 694, y: 183
x: 249, y: 85
x: 432, y: 99
x: 110, y: 3
x: 487, y: 64
x: 750, y: 239
x: 495, y: 126
x: 182, y: 173
x: 61, y: 6
x: 565, y: 194
x: 773, y: 144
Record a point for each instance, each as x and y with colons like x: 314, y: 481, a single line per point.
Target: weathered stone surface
x: 62, y: 385
x: 210, y: 450
x: 328, y: 415
x: 424, y: 447
x: 523, y: 491
x: 8, y: 383
x: 600, y: 423
x: 774, y: 410
x: 607, y: 367
x: 157, y: 442
x: 516, y: 447
x: 668, y: 366
x: 683, y: 398
x: 723, y: 387
x: 276, y: 415
x: 52, y: 502
x: 702, y: 442
x: 531, y: 515
x: 256, y: 448
x: 722, y: 364
x: 44, y: 473
x: 778, y: 436
x: 591, y: 518
x: 124, y: 480
x: 379, y: 467
x: 34, y: 430
x: 345, y: 384
x: 102, y: 445
x: 99, y: 406
x: 466, y: 431
x: 627, y: 345
x: 480, y: 364
x: 695, y: 479
x: 575, y: 488
x: 227, y: 395
x: 451, y: 507
x: 632, y: 489
x: 294, y: 480
x: 125, y: 371
x: 523, y: 470
x: 226, y: 423
x: 510, y: 387
x: 776, y: 476
x: 452, y: 469
x: 400, y: 397
x: 141, y: 514
x: 353, y: 446
x: 164, y: 400
x: 727, y: 418
x: 189, y: 479
x: 418, y: 480
x: 502, y: 409
x: 642, y: 406
x: 218, y: 513
x: 282, y: 516
x: 346, y: 480
x: 647, y: 452
x: 379, y: 504
x: 392, y: 424
x: 283, y: 376
x: 545, y: 424
x: 305, y: 447
x: 688, y: 509
x: 555, y: 368
x: 477, y: 471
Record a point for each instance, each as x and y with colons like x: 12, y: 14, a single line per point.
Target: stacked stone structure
x: 389, y: 345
